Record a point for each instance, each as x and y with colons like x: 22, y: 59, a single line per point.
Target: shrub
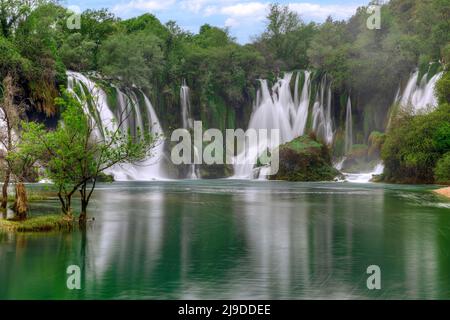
x: 442, y: 170
x: 415, y: 144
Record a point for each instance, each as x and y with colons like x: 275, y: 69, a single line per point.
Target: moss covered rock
x: 305, y: 159
x: 215, y: 171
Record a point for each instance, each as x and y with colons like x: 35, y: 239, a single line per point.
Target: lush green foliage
x: 415, y: 144
x: 37, y: 47
x: 135, y: 58
x: 442, y: 170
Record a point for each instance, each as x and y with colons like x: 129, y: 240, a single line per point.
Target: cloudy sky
x: 245, y: 18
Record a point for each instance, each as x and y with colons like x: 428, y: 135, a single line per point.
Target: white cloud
x: 194, y: 6
x: 242, y: 16
x: 231, y: 22
x: 312, y: 11
x: 250, y: 9
x: 210, y: 10
x: 143, y: 5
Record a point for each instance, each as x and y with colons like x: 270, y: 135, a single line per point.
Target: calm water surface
x: 239, y: 239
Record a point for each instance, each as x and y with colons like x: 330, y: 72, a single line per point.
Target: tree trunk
x: 84, y: 203
x: 65, y: 203
x: 21, y: 203
x: 5, y: 189
x: 83, y: 215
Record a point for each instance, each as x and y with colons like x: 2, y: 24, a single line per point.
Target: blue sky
x: 244, y: 18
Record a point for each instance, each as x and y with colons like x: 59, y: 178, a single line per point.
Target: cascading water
x: 186, y: 106
x: 348, y: 128
x: 418, y: 95
x: 322, y: 122
x: 128, y: 113
x: 303, y: 104
x: 280, y: 110
x: 364, y: 177
x: 188, y: 123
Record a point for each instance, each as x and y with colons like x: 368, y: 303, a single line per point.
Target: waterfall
x: 364, y: 177
x: 303, y: 105
x: 188, y: 123
x: 418, y: 95
x: 322, y: 122
x: 186, y: 106
x: 278, y: 108
x: 128, y: 112
x: 348, y: 128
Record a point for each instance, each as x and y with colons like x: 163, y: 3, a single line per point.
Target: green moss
x: 304, y: 159
x: 302, y: 144
x: 38, y: 224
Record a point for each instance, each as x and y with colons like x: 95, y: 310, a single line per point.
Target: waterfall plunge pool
x: 223, y: 239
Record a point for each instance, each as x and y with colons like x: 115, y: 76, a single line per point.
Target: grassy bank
x: 37, y: 224
x: 36, y: 195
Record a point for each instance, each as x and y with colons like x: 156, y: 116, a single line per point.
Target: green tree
x: 75, y: 156
x: 415, y: 144
x: 13, y: 12
x: 136, y: 59
x: 18, y: 162
x: 442, y: 170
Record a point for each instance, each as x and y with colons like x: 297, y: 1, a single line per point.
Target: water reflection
x: 231, y: 239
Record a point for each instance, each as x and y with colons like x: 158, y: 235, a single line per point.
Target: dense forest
x: 37, y: 48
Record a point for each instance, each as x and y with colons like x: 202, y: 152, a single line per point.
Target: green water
x: 239, y: 239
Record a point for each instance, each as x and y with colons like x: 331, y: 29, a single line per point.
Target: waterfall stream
x: 292, y: 109
x: 364, y: 177
x: 188, y: 124
x: 128, y: 111
x: 348, y: 128
x: 418, y: 95
x: 279, y: 108
x: 322, y: 122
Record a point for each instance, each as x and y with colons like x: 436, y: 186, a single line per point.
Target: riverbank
x: 444, y: 192
x: 37, y: 224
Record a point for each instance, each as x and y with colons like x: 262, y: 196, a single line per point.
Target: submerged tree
x: 78, y: 152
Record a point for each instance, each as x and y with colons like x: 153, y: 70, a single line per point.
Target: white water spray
x: 348, y: 128
x: 419, y: 95
x: 364, y: 177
